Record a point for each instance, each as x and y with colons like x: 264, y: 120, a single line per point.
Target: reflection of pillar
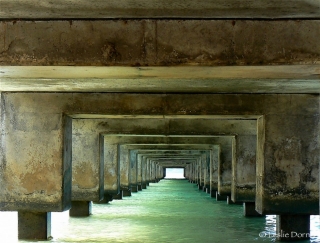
x: 80, y: 208
x: 34, y: 225
x: 293, y: 227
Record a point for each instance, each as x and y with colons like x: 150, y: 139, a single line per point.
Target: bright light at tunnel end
x: 174, y: 173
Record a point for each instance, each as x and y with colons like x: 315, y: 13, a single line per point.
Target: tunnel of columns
x: 99, y: 99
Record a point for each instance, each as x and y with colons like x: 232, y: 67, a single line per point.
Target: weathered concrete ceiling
x: 218, y: 79
x: 159, y: 9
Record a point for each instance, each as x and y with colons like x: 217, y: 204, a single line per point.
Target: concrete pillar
x: 214, y: 163
x: 203, y: 168
x: 148, y: 171
x: 221, y: 197
x: 80, y: 209
x: 213, y: 193
x: 134, y: 188
x: 125, y: 174
x: 249, y: 210
x: 35, y: 153
x: 225, y: 167
x: 293, y: 227
x: 144, y: 172
x: 111, y: 167
x: 87, y: 162
x: 34, y: 225
x: 126, y: 192
x: 133, y: 170
x: 199, y: 171
x: 194, y: 164
x: 119, y: 196
x: 106, y: 199
x: 139, y: 171
x: 243, y: 186
x: 207, y: 171
x: 229, y: 201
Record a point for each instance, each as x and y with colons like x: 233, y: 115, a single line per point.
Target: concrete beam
x: 81, y: 9
x: 158, y: 43
x: 201, y: 79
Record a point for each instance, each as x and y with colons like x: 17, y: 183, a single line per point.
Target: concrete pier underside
x: 45, y: 112
x: 81, y: 90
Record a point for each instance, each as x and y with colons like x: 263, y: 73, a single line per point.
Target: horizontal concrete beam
x: 221, y: 79
x: 60, y: 9
x: 159, y: 42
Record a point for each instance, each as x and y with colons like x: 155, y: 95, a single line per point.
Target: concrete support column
x: 111, y: 168
x: 293, y: 227
x: 225, y: 166
x: 125, y: 171
x: 220, y: 197
x: 194, y: 172
x: 198, y: 173
x: 213, y: 193
x: 134, y: 188
x: 144, y: 172
x: 148, y: 172
x: 34, y: 225
x: 106, y: 199
x: 207, y: 171
x: 203, y: 165
x: 243, y: 185
x: 133, y: 171
x: 230, y: 201
x: 160, y: 172
x: 139, y: 172
x: 249, y: 210
x: 126, y: 192
x: 80, y: 208
x: 119, y: 196
x: 214, y: 162
x: 152, y: 171
x: 87, y: 162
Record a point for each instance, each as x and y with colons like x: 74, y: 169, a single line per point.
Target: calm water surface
x: 168, y: 211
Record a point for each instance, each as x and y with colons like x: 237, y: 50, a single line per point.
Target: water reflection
x: 168, y: 211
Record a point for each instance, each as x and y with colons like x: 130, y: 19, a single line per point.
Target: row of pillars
x: 37, y: 225
x: 288, y: 227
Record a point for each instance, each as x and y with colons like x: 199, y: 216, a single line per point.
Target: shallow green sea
x: 168, y: 211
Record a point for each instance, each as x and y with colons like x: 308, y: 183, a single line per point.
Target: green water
x: 168, y: 211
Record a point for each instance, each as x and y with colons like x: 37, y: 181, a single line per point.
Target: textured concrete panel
x: 159, y: 42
